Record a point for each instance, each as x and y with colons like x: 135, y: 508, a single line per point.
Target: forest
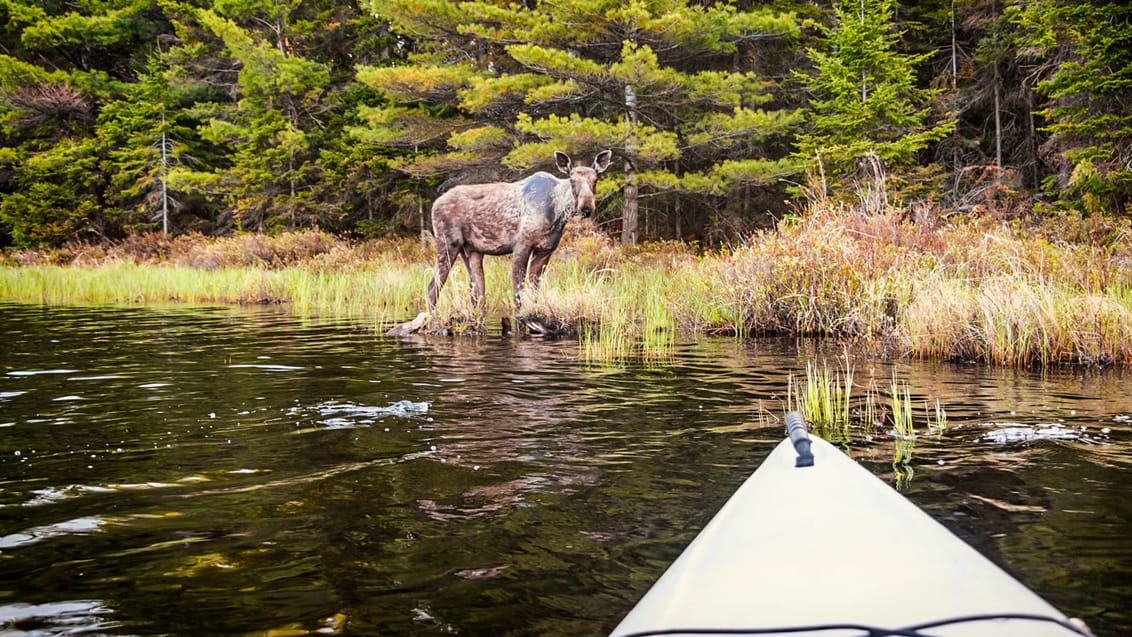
x: 124, y: 117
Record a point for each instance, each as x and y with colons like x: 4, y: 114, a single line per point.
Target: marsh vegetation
x: 974, y: 290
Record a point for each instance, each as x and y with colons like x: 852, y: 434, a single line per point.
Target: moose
x: 524, y: 219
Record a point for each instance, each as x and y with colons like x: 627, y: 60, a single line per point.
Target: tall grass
x: 837, y: 409
x: 975, y: 290
x: 936, y: 419
x: 823, y: 397
x: 903, y: 428
x: 127, y: 283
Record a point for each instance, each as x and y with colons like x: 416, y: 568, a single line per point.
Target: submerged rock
x: 412, y: 327
x: 547, y: 326
x: 534, y: 325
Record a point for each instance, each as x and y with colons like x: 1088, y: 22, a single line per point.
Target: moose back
x: 524, y: 219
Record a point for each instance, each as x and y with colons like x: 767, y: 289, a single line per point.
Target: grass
x: 356, y: 294
x: 936, y: 419
x: 823, y: 397
x: 838, y: 409
x: 1003, y: 293
x: 903, y: 427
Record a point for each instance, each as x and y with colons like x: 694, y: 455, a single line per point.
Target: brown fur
x: 524, y: 219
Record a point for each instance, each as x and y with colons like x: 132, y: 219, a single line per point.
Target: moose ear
x: 562, y: 160
x: 601, y: 162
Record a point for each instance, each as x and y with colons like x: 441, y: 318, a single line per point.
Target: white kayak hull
x: 831, y: 544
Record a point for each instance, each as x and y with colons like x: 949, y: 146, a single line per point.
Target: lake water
x: 220, y: 471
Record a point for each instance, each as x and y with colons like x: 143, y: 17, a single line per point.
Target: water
x: 225, y: 471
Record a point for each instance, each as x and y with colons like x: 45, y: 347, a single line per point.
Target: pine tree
x: 144, y: 136
x: 279, y: 97
x: 866, y: 103
x: 62, y: 63
x: 662, y: 83
x: 274, y: 89
x: 1082, y: 53
x: 992, y: 153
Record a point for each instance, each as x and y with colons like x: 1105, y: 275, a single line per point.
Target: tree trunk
x: 1032, y: 131
x: 954, y: 88
x: 629, y: 209
x: 997, y: 121
x: 678, y: 209
x: 164, y: 178
x: 997, y: 139
x: 864, y: 76
x: 997, y: 117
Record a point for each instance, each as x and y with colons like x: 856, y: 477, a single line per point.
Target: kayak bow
x: 814, y: 544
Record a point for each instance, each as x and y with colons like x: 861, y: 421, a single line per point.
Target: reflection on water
x: 37, y: 534
x: 224, y: 471
x: 1005, y: 433
x: 81, y: 617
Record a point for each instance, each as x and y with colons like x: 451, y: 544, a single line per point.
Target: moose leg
x: 474, y: 262
x: 519, y: 262
x: 538, y: 264
x: 443, y: 266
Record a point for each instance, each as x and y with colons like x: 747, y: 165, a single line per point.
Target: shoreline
x: 989, y: 292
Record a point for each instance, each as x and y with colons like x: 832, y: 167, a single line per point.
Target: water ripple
x: 326, y: 467
x: 1004, y: 433
x: 71, y: 617
x: 268, y: 367
x: 334, y: 414
x: 77, y: 526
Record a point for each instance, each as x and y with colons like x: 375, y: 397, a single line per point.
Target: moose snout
x: 585, y: 204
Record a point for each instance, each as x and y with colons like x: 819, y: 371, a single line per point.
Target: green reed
x: 936, y: 418
x: 835, y: 408
x: 904, y: 431
x: 824, y: 396
x: 127, y: 283
x: 380, y: 296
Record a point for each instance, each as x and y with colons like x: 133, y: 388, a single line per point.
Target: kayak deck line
x: 812, y: 543
x: 1075, y: 627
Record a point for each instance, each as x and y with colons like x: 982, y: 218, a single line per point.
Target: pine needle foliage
x: 666, y: 84
x: 866, y: 102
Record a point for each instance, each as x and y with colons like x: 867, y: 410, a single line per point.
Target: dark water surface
x: 229, y: 472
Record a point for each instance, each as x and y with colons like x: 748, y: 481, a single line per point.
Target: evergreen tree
x: 144, y: 136
x: 54, y: 196
x: 665, y: 84
x: 867, y: 107
x: 1082, y: 53
x: 992, y: 153
x: 279, y: 98
x: 84, y: 36
x: 275, y: 97
x: 62, y: 63
x: 116, y: 115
